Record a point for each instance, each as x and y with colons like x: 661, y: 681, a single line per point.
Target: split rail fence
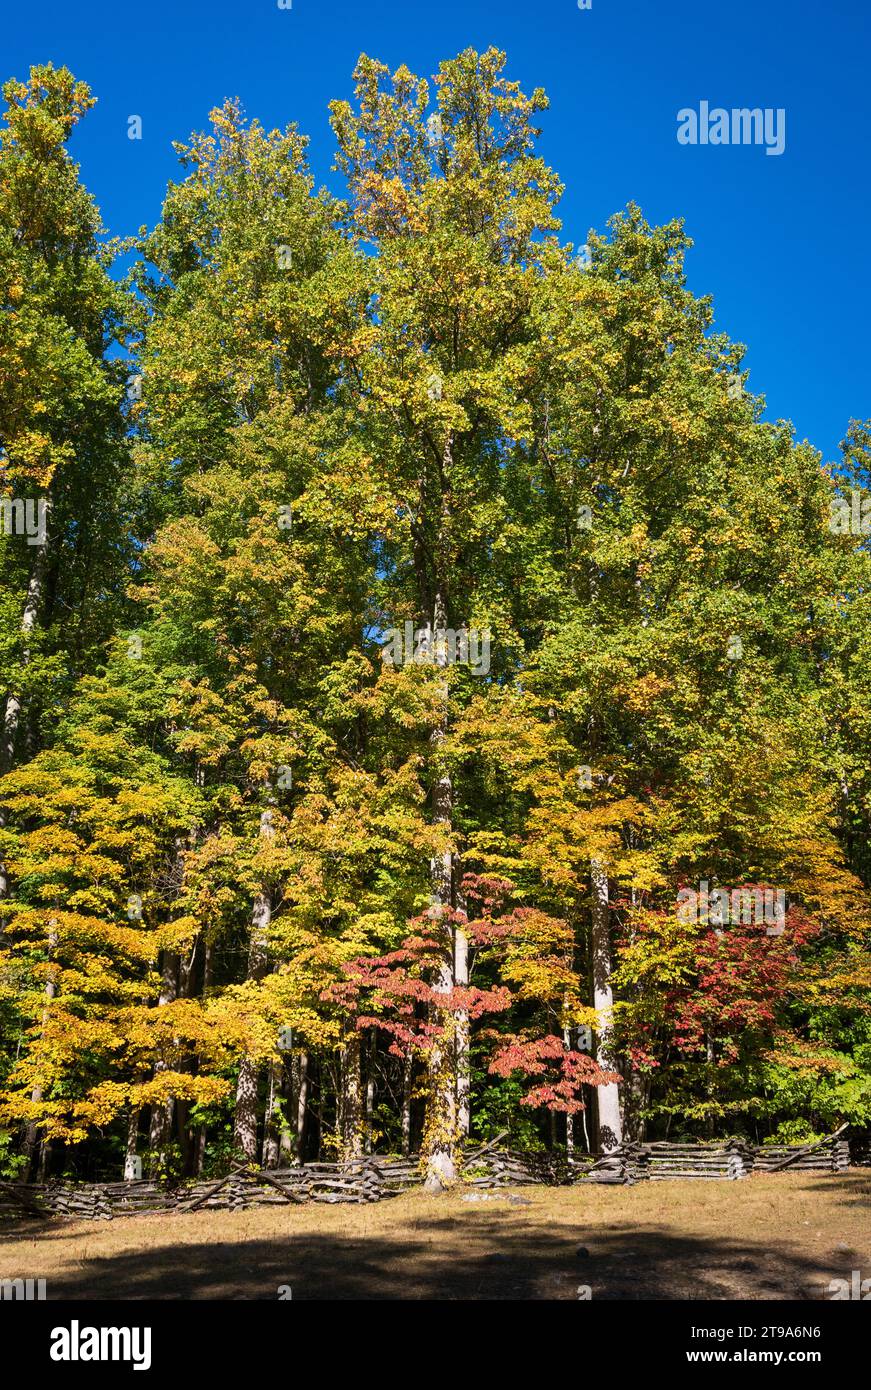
x: 374, y: 1178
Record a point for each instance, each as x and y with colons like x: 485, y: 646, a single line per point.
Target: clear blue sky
x: 782, y: 243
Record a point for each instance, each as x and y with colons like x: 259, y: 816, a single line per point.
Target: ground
x: 780, y: 1236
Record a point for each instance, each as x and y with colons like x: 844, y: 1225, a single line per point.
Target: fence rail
x: 375, y: 1178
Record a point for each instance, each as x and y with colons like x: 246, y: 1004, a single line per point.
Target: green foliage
x: 412, y: 406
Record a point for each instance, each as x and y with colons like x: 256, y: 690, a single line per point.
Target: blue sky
x: 781, y: 243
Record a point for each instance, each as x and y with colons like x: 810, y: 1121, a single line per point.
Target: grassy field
x: 768, y: 1237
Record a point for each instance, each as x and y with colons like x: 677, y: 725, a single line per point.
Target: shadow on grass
x: 467, y: 1257
x: 852, y: 1190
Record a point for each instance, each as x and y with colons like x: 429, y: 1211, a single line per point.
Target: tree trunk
x: 33, y: 1133
x: 182, y: 1107
x: 570, y: 1119
x: 286, y: 1152
x: 248, y: 1085
x: 584, y: 1128
x: 370, y: 1092
x: 208, y: 975
x: 301, y: 1105
x: 709, y: 1083
x: 607, y: 1096
x: 208, y: 965
x: 320, y: 1110
x: 13, y: 708
x: 441, y: 1119
x: 633, y: 1105
x: 132, y: 1142
x: 161, y: 1115
x: 245, y: 1122
x: 351, y: 1123
x: 407, y: 1082
x: 461, y: 980
x: 271, y: 1134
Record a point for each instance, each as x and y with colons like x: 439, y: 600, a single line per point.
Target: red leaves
x: 411, y: 994
x: 563, y: 1072
x: 486, y: 893
x: 742, y: 975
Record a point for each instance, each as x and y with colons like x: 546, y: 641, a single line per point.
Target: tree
x: 64, y: 469
x: 437, y: 616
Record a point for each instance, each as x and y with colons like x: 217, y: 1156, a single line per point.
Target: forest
x: 436, y: 702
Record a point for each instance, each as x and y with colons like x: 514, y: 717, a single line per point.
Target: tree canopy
x: 418, y: 614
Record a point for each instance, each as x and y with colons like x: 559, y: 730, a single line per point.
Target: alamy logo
x: 76, y: 1343
x: 721, y: 907
x: 442, y: 647
x: 851, y: 518
x: 855, y: 1289
x: 740, y: 126
x: 28, y: 1290
x: 24, y: 518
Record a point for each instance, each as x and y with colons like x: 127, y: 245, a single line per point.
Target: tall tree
x: 454, y: 204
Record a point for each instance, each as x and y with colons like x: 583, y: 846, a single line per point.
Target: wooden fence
x: 375, y: 1178
x: 832, y: 1159
x: 727, y: 1160
x: 369, y: 1180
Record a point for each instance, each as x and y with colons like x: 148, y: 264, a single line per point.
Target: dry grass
x: 769, y: 1237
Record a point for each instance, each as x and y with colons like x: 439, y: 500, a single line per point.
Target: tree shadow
x: 845, y: 1189
x: 467, y: 1256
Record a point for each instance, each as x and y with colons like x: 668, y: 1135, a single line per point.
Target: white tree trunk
x: 407, y: 1079
x: 247, y: 1087
x: 607, y: 1096
x: 12, y: 712
x: 132, y: 1143
x: 441, y: 1118
x: 13, y: 708
x: 441, y: 1124
x: 461, y: 979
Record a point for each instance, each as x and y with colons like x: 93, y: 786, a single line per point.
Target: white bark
x: 130, y: 1164
x: 607, y: 1096
x: 13, y: 708
x: 461, y: 980
x: 370, y: 1093
x: 407, y: 1078
x: 12, y: 713
x: 441, y: 1120
x: 245, y: 1124
x: 442, y: 1109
